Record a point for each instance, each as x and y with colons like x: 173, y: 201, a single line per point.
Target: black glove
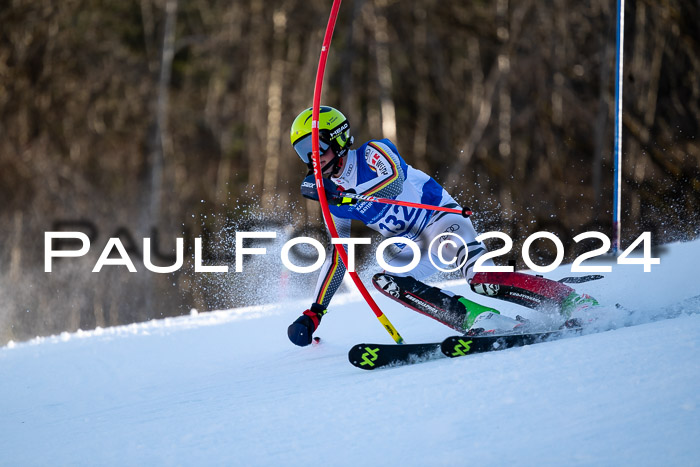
x: 333, y: 195
x: 301, y: 330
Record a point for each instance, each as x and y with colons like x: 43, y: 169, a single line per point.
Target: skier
x: 376, y: 168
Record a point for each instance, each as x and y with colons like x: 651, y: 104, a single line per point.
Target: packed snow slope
x: 227, y: 388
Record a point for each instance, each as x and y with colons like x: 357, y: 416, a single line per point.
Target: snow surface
x: 227, y: 388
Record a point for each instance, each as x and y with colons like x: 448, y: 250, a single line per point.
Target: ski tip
x: 316, y: 341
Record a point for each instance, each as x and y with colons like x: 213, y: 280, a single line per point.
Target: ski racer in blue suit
x: 376, y: 168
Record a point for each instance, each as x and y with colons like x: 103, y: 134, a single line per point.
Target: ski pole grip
x: 466, y: 212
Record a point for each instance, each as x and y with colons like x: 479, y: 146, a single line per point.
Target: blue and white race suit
x: 377, y: 169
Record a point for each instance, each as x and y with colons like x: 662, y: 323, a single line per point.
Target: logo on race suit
x: 308, y: 185
x: 378, y: 163
x: 487, y: 289
x: 350, y: 168
x: 451, y: 229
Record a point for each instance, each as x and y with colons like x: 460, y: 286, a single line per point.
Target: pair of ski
x: 373, y: 356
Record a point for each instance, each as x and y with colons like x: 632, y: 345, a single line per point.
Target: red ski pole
x: 465, y: 212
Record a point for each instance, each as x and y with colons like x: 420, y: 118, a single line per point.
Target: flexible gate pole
x: 315, y: 156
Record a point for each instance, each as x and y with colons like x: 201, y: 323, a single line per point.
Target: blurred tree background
x: 165, y: 119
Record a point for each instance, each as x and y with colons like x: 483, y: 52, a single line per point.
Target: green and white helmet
x: 333, y: 132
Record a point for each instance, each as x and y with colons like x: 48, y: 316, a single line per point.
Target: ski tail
x: 420, y: 297
x: 534, y: 292
x: 580, y: 279
x: 523, y: 289
x: 449, y: 309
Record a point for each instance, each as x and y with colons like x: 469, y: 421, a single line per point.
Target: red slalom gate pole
x: 318, y: 175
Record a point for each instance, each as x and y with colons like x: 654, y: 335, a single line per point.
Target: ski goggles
x: 303, y: 148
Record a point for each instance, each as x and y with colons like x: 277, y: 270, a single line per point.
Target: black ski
x: 459, y: 346
x: 373, y: 356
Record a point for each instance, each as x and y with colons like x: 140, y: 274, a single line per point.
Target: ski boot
x: 494, y: 323
x: 575, y: 305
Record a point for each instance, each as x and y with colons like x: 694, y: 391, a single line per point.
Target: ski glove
x: 301, y: 330
x: 333, y: 193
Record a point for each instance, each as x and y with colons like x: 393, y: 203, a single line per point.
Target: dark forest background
x: 167, y: 118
